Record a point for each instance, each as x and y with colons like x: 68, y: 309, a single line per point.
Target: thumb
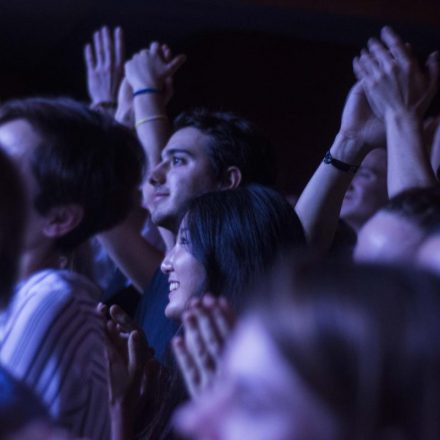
x: 174, y: 65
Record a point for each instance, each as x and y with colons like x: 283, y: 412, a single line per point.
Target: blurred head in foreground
x: 330, y: 352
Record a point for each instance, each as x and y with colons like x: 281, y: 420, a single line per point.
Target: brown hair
x: 366, y: 342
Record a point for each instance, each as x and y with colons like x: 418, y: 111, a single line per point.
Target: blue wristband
x: 146, y: 90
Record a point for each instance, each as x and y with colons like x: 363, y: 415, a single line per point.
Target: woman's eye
x: 183, y: 240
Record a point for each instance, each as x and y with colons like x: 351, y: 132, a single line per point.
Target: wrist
x: 402, y: 117
x: 349, y: 149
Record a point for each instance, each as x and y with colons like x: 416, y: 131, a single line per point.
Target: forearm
x: 132, y: 254
x: 320, y: 203
x: 408, y: 162
x: 153, y: 133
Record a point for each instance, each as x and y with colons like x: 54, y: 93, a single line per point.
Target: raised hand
x: 207, y: 325
x: 137, y: 381
x: 153, y: 68
x: 104, y: 59
x: 359, y: 121
x: 393, y: 78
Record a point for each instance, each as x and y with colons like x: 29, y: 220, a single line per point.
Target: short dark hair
x: 420, y: 206
x: 85, y: 158
x: 12, y: 218
x: 234, y: 141
x: 238, y: 235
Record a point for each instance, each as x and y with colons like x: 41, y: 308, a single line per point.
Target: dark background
x: 284, y: 64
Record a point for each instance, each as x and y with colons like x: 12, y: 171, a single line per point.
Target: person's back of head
x: 238, y: 235
x: 364, y: 341
x: 84, y: 158
x: 12, y: 218
x: 234, y: 141
x: 396, y: 231
x: 420, y: 205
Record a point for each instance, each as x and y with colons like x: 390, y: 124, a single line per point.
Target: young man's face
x: 18, y: 140
x: 184, y: 173
x: 368, y: 191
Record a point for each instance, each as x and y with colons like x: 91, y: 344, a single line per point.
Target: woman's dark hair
x: 84, y: 158
x: 364, y: 340
x: 238, y: 235
x: 12, y: 218
x: 233, y: 141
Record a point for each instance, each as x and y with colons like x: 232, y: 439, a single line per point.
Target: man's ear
x: 232, y: 178
x: 60, y: 220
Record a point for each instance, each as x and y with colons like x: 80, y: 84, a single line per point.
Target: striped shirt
x: 52, y: 339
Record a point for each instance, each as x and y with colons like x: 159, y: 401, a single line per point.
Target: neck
x: 35, y: 260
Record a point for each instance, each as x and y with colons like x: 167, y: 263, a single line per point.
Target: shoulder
x: 59, y: 286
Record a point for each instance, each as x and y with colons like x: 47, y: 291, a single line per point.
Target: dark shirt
x: 18, y: 405
x: 151, y: 317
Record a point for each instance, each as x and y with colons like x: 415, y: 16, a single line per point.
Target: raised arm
x: 320, y: 203
x: 150, y: 76
x: 104, y: 59
x: 400, y: 93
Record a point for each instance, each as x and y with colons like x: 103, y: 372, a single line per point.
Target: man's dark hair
x: 238, y: 235
x: 420, y: 206
x: 12, y: 218
x: 234, y: 141
x: 84, y: 158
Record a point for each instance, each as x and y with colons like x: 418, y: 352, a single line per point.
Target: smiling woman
x: 226, y: 241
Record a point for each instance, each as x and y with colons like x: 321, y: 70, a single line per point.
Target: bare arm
x: 320, y: 203
x: 400, y: 93
x: 150, y: 75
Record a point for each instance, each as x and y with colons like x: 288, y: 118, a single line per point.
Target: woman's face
x: 257, y: 396
x: 186, y: 275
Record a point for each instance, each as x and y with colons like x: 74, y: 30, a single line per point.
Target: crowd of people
x: 154, y: 283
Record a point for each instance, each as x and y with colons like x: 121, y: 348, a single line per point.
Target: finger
x: 175, y: 64
x: 186, y: 365
x: 107, y: 45
x: 211, y: 338
x: 166, y: 53
x: 433, y: 67
x: 196, y: 346
x: 136, y: 358
x: 102, y: 309
x: 224, y: 318
x: 193, y: 302
x: 122, y: 318
x: 369, y: 65
x: 398, y: 50
x: 88, y: 57
x: 358, y: 69
x: 154, y: 48
x: 99, y: 50
x: 382, y: 55
x: 119, y: 46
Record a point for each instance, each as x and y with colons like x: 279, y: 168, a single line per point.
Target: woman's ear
x: 232, y: 178
x: 60, y: 220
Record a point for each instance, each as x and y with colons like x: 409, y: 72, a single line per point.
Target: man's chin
x: 164, y: 220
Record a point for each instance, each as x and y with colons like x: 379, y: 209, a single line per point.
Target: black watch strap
x: 329, y: 159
